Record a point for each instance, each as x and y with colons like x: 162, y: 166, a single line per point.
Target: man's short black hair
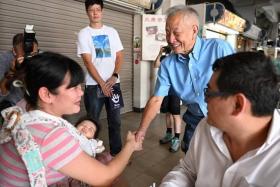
x: 89, y: 3
x: 252, y: 74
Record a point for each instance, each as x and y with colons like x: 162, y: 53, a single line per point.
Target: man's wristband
x: 116, y: 75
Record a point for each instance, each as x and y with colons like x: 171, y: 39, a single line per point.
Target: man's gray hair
x: 182, y: 9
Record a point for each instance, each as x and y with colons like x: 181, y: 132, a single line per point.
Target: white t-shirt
x: 208, y: 161
x: 102, y: 44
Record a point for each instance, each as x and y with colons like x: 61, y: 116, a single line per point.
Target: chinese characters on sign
x: 153, y: 34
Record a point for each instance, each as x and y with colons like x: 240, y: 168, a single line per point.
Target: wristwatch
x: 116, y: 75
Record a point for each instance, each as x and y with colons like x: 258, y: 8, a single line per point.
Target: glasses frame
x: 210, y: 94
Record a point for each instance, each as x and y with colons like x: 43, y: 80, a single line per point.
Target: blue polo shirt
x: 189, y: 75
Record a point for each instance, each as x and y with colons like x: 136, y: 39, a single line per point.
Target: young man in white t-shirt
x: 101, y: 50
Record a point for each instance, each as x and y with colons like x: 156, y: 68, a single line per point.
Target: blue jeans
x: 191, y: 123
x: 94, y: 105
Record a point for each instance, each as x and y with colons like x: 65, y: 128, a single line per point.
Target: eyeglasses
x: 208, y: 94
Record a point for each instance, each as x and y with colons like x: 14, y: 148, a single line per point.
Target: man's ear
x: 195, y: 31
x: 195, y: 28
x: 240, y: 103
x: 45, y: 95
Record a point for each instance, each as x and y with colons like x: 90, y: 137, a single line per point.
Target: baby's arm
x: 97, y: 145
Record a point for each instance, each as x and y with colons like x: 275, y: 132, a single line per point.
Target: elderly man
x: 187, y: 70
x: 238, y: 144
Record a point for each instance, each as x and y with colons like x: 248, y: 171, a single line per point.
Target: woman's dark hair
x: 254, y: 75
x: 18, y: 39
x: 48, y: 70
x: 86, y: 118
x: 89, y: 3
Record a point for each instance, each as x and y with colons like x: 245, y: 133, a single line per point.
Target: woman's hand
x: 20, y: 60
x: 131, y: 140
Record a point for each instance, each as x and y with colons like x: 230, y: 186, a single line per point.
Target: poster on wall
x: 153, y: 35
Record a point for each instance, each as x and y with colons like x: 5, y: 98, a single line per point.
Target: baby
x: 90, y: 129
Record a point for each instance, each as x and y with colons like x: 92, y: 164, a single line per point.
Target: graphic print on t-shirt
x: 102, y: 46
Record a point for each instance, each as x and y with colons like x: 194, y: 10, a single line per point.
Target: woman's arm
x: 93, y: 172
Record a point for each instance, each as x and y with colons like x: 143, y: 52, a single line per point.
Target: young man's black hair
x: 89, y: 3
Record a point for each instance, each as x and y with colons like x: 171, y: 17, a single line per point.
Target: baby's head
x: 88, y: 127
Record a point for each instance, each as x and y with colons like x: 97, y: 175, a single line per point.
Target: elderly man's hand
x: 140, y: 135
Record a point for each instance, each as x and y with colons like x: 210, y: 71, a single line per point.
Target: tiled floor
x: 151, y: 164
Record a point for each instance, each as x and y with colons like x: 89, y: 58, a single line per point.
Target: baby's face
x: 87, y: 128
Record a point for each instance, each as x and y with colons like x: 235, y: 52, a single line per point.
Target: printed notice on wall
x: 153, y: 35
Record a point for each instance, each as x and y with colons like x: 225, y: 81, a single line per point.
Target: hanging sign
x: 153, y: 35
x: 232, y: 21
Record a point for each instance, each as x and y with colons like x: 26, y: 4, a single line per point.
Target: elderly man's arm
x: 151, y: 109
